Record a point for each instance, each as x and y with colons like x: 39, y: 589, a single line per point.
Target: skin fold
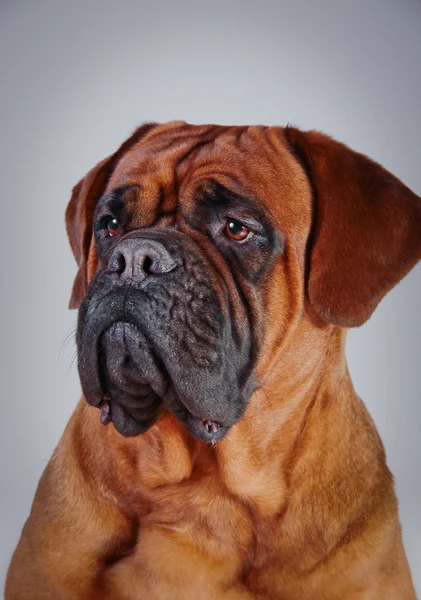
x: 237, y: 461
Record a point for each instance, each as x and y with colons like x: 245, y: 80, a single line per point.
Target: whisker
x: 72, y: 360
x: 69, y: 338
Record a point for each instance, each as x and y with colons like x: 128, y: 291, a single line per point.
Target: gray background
x: 78, y: 76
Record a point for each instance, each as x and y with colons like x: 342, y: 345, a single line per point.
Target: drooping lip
x: 203, y: 426
x: 207, y: 430
x: 131, y: 361
x: 93, y: 324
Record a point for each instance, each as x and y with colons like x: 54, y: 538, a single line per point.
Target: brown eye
x: 236, y: 230
x: 113, y: 226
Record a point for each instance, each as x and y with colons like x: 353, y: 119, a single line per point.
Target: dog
x: 220, y: 451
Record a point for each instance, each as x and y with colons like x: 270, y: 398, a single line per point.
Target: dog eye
x: 237, y: 231
x: 113, y: 226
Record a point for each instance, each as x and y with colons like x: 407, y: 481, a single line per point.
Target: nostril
x: 117, y: 263
x: 147, y: 265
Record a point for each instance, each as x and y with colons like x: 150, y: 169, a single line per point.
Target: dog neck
x: 296, y: 421
x: 305, y: 387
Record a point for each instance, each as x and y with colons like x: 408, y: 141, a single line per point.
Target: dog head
x: 198, y: 249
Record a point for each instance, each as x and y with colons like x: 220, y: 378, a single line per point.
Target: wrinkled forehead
x: 173, y: 162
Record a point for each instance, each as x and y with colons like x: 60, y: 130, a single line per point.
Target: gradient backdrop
x: 77, y: 76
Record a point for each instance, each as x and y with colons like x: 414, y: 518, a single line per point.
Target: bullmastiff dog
x: 220, y: 451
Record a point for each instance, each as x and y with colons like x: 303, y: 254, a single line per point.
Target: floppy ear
x: 366, y: 229
x: 81, y: 208
x: 79, y: 217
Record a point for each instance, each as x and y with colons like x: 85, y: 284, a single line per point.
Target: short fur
x: 293, y: 499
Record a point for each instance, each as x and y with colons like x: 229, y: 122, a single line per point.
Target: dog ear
x: 366, y: 232
x: 81, y: 208
x: 79, y: 217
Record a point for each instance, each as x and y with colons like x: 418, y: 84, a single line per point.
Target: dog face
x: 200, y: 247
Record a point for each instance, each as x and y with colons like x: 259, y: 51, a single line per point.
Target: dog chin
x: 206, y: 430
x: 137, y: 386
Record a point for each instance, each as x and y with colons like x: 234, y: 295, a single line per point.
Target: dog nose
x: 136, y: 258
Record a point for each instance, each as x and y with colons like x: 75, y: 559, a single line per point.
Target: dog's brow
x: 115, y: 197
x: 120, y: 192
x: 216, y: 193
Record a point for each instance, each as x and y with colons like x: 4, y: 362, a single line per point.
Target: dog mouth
x: 136, y: 386
x: 203, y: 429
x: 206, y: 429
